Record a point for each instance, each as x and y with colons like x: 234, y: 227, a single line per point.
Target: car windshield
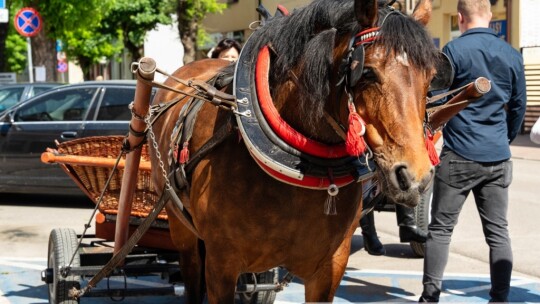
x: 9, y: 97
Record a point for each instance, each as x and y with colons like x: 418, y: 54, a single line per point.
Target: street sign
x: 4, y: 15
x: 28, y: 22
x: 2, y: 3
x: 6, y: 78
x: 61, y: 56
x: 62, y: 66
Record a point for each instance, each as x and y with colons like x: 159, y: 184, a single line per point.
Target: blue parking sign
x: 2, y: 3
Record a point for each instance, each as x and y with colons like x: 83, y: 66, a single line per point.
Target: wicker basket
x: 92, y: 179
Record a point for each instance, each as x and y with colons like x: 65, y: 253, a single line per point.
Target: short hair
x: 469, y: 8
x: 224, y: 45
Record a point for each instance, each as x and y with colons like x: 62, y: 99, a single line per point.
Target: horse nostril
x: 401, y: 178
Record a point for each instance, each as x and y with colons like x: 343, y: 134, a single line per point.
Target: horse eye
x: 369, y: 75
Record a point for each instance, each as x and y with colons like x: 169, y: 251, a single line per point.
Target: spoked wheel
x: 260, y: 297
x: 62, y: 244
x: 422, y: 216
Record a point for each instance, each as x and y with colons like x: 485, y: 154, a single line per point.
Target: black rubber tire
x: 261, y: 297
x: 422, y: 214
x: 62, y: 244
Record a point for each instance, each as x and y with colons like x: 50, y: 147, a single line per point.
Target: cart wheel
x: 62, y: 244
x: 422, y: 215
x: 260, y: 297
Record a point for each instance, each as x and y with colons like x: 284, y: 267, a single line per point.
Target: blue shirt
x: 483, y: 130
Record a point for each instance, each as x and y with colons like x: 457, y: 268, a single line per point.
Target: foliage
x: 16, y: 47
x: 197, y: 9
x: 134, y: 18
x: 63, y: 16
x: 16, y: 50
x: 88, y: 47
x: 93, y: 29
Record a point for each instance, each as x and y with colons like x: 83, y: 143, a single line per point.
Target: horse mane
x: 305, y: 41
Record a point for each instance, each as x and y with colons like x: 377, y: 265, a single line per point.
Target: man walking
x: 476, y: 154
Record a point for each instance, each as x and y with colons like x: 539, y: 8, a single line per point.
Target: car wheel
x: 62, y: 244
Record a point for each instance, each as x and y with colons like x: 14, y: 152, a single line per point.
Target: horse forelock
x: 400, y: 34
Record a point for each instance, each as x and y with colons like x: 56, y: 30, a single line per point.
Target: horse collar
x: 286, y: 155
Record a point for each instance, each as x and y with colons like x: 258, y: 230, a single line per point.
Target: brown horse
x: 250, y: 222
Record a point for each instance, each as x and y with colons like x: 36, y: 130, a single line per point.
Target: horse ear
x: 422, y: 11
x: 366, y: 12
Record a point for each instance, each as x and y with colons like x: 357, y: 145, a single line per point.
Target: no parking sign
x: 62, y: 66
x: 28, y: 22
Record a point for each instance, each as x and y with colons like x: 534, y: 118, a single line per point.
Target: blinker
x: 445, y: 74
x: 357, y: 65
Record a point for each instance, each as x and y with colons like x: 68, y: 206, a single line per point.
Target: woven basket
x: 94, y: 178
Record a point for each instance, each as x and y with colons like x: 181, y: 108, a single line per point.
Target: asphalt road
x: 26, y: 221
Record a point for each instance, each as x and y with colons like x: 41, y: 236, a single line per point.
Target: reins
x: 204, y: 91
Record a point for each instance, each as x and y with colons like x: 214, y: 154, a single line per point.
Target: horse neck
x: 299, y: 114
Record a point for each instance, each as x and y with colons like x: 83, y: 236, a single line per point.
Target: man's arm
x: 517, y: 103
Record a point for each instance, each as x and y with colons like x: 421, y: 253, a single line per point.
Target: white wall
x: 164, y: 46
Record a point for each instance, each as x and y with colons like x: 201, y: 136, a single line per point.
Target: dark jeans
x: 455, y: 178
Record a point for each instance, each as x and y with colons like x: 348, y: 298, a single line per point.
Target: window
x: 39, y: 90
x: 9, y: 97
x: 68, y: 105
x: 114, y: 105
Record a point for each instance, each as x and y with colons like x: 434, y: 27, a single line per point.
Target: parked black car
x: 12, y: 94
x: 94, y: 108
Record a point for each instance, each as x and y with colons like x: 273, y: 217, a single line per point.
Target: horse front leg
x: 191, y: 260
x: 222, y: 272
x: 322, y: 286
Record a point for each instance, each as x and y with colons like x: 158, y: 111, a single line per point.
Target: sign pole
x: 30, y: 64
x: 28, y: 23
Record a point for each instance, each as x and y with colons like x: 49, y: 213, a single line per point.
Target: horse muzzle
x: 403, y: 188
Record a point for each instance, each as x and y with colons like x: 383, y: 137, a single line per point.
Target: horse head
x: 390, y: 92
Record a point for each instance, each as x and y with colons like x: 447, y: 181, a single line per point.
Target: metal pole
x: 30, y: 64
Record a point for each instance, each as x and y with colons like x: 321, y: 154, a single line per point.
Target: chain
x: 158, y: 154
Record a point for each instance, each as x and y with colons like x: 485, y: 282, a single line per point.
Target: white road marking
x: 23, y: 263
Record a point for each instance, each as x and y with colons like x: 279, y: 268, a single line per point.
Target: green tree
x: 59, y: 17
x: 16, y: 50
x: 190, y: 14
x: 133, y: 19
x: 87, y: 47
x: 12, y: 45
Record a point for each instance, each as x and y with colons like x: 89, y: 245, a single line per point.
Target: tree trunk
x: 188, y: 32
x: 3, y: 53
x: 44, y: 54
x: 85, y: 65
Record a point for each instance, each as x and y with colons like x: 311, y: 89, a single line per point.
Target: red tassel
x: 184, y: 154
x: 355, y: 143
x: 433, y: 156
